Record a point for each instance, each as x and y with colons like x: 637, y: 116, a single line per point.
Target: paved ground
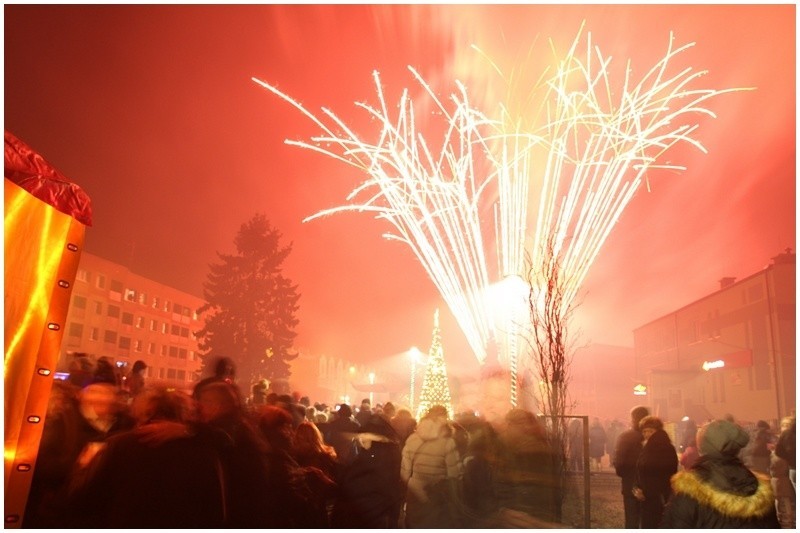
x: 605, y: 512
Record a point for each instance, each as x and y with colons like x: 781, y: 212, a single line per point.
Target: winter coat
x: 784, y: 491
x: 756, y: 454
x: 626, y: 454
x: 720, y: 493
x: 657, y: 462
x: 339, y: 433
x: 131, y: 484
x: 430, y: 465
x: 370, y: 492
x: 597, y: 441
x: 524, y: 476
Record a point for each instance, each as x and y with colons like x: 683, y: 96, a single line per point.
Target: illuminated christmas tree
x: 435, y: 389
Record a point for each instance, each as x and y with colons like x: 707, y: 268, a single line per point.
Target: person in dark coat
x: 340, y: 432
x: 370, y: 489
x: 135, y: 382
x: 249, y: 481
x: 626, y: 454
x: 77, y: 425
x: 303, y: 490
x: 658, y: 461
x: 224, y: 370
x: 597, y: 443
x: 756, y: 455
x: 404, y: 425
x: 719, y: 491
x: 172, y: 484
x: 785, y: 449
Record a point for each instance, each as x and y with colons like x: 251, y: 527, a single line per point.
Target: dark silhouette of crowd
x: 722, y: 475
x: 117, y: 453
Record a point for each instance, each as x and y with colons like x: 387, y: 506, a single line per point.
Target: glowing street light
x: 415, y: 355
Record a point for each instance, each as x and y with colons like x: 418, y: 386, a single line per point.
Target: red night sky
x: 152, y: 111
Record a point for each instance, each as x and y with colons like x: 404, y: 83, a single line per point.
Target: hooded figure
x: 370, y: 490
x: 431, y: 467
x: 719, y: 491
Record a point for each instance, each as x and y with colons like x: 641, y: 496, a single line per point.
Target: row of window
x: 114, y: 311
x: 132, y: 295
x: 171, y: 373
x: 126, y: 343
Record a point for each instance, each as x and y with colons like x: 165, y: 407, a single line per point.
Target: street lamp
x: 415, y: 355
x: 371, y: 382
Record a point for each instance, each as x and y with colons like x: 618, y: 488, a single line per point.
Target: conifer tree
x: 435, y: 388
x: 251, y: 306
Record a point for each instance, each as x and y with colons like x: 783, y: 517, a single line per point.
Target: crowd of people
x: 723, y: 476
x: 120, y: 454
x: 123, y: 454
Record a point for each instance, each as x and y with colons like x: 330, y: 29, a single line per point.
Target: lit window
x: 155, y: 302
x: 164, y: 328
x: 138, y: 346
x: 140, y: 322
x: 82, y: 275
x: 153, y: 325
x: 130, y: 295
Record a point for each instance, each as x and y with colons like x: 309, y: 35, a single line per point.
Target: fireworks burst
x: 585, y: 161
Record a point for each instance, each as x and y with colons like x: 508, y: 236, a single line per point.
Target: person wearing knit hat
x: 719, y: 491
x: 626, y: 453
x: 657, y: 462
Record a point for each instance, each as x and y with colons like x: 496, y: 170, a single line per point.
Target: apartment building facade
x: 126, y: 317
x: 731, y: 352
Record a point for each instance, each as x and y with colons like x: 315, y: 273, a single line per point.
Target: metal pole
x: 587, y: 504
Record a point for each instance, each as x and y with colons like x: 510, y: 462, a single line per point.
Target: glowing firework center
x: 583, y: 164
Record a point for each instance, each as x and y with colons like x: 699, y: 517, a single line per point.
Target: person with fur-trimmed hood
x: 719, y: 491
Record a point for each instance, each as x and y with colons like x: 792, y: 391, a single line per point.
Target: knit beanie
x: 721, y: 438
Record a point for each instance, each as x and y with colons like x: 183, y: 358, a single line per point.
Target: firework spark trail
x: 431, y: 199
x: 596, y: 154
x: 599, y: 153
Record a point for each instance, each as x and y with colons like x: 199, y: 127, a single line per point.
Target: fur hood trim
x: 757, y: 504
